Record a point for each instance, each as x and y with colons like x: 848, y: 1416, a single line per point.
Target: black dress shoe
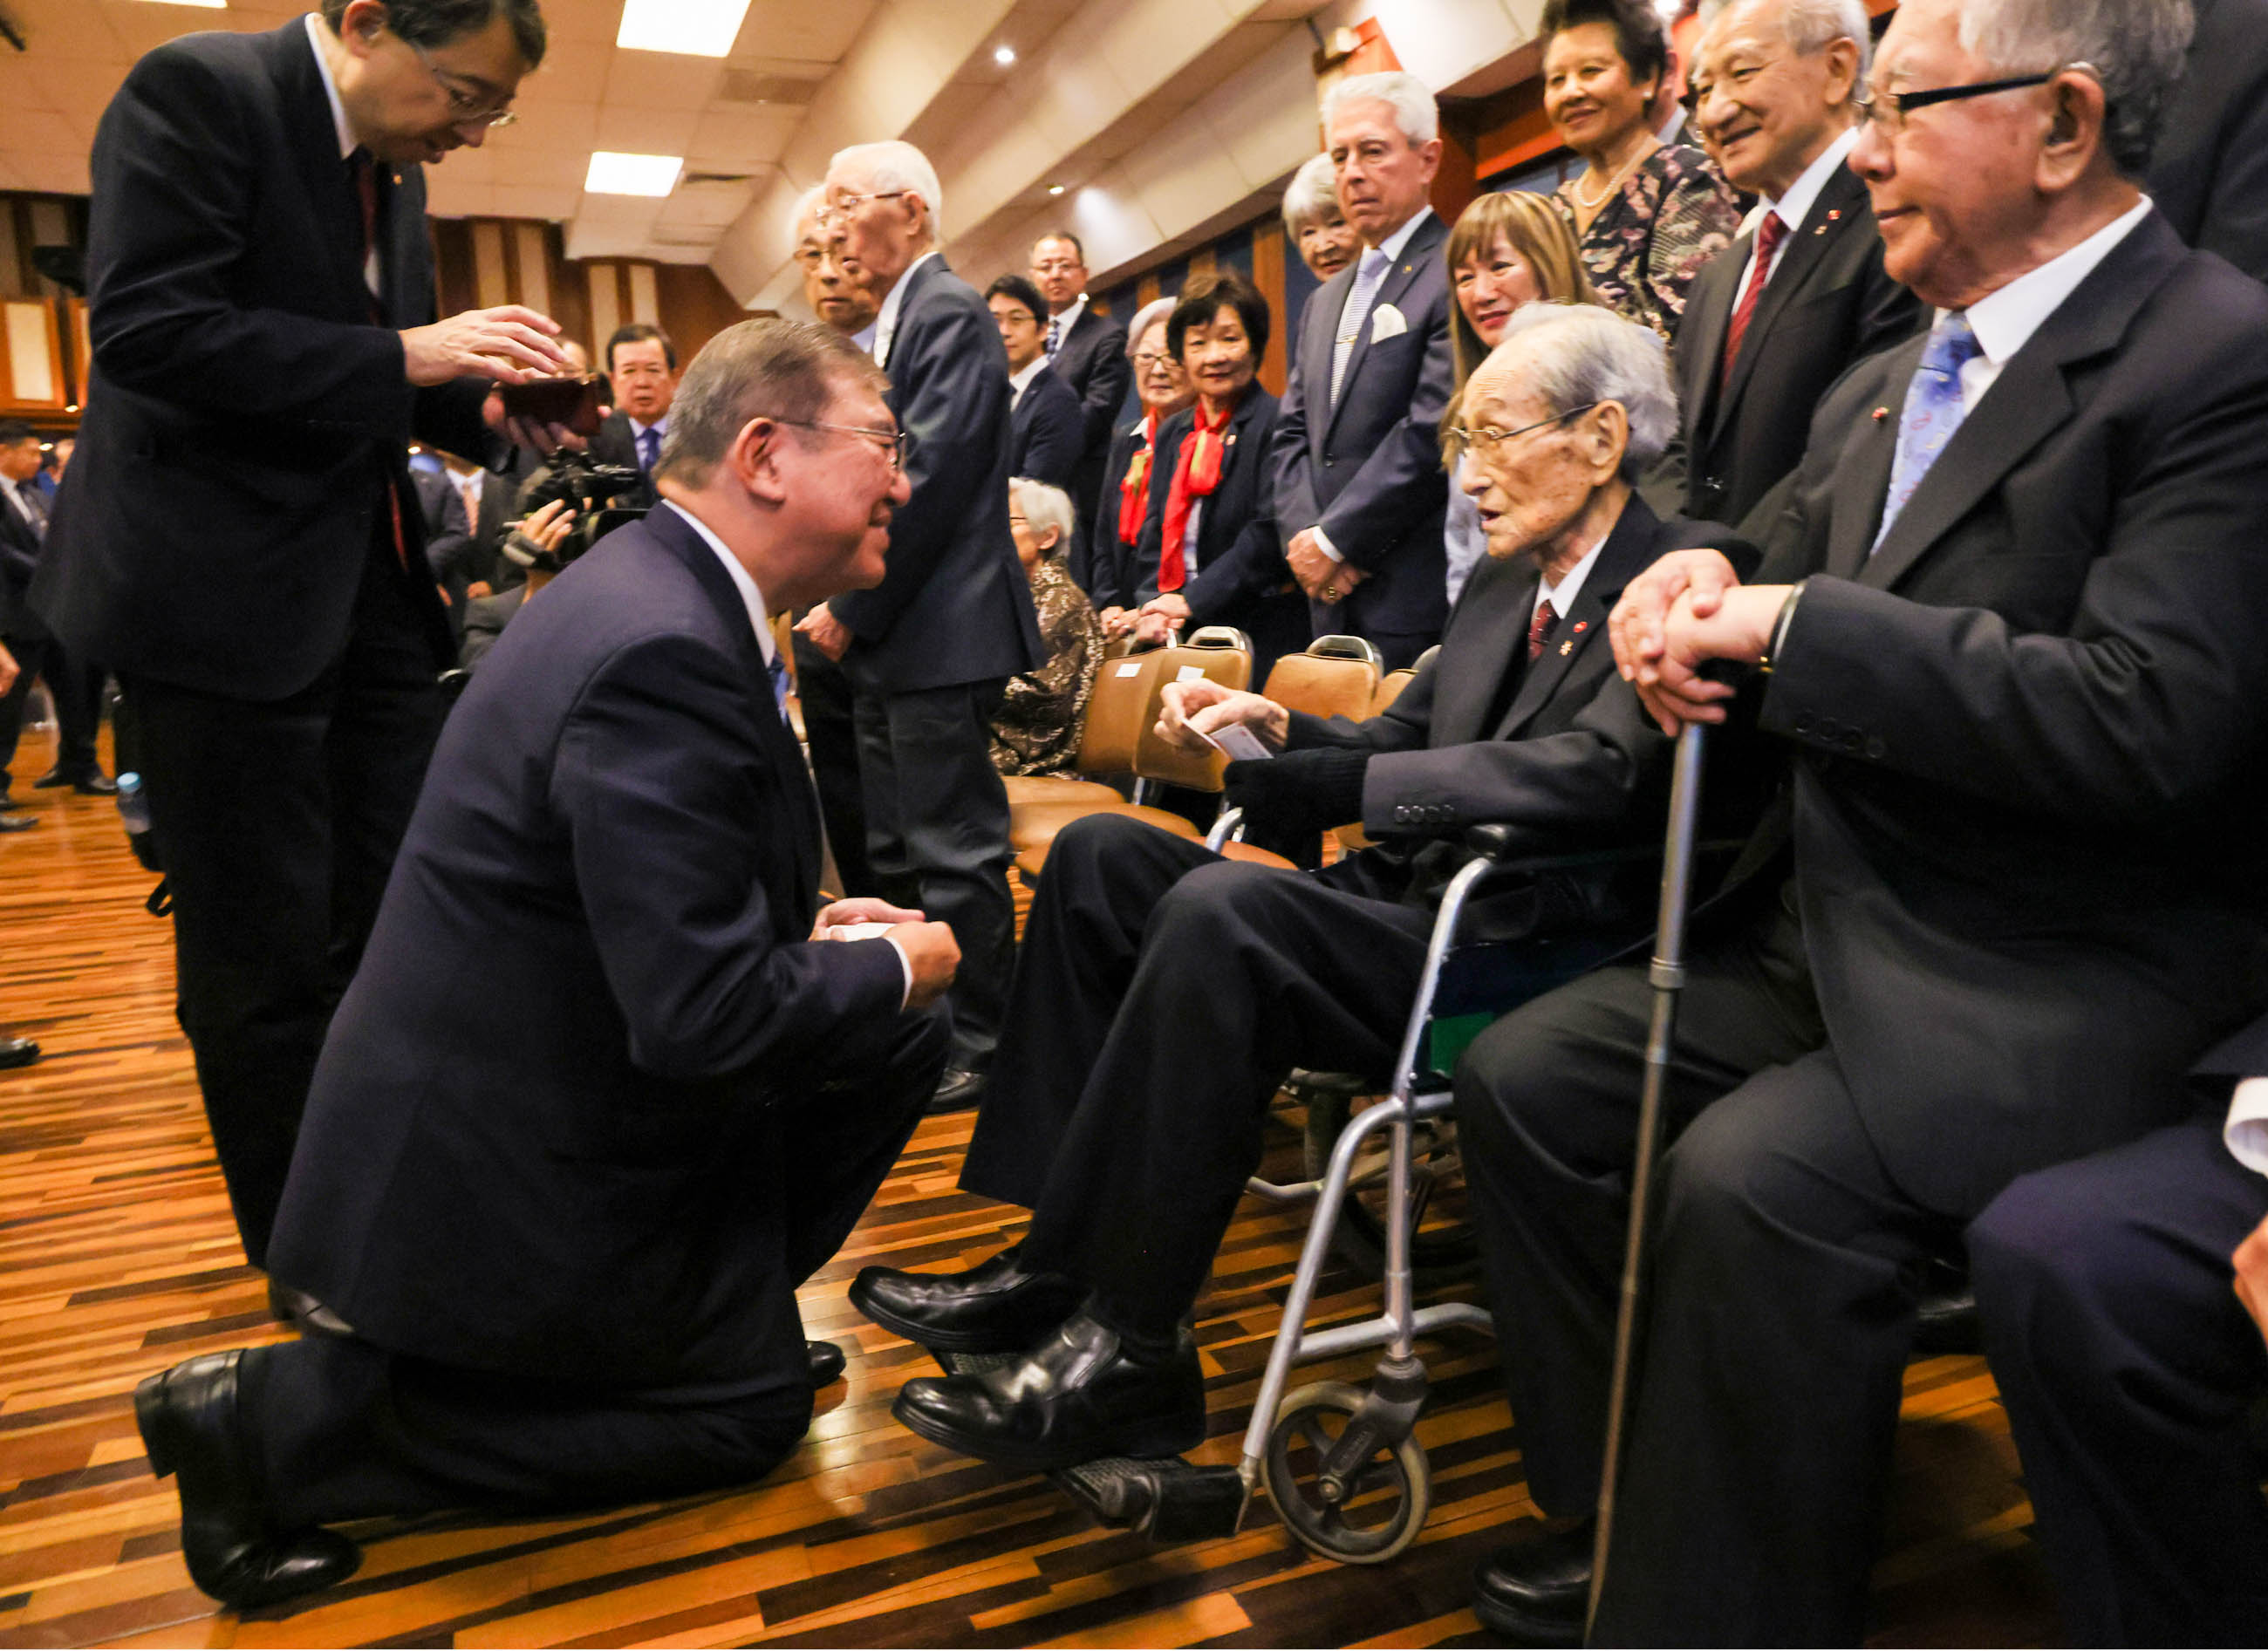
x: 8, y: 803
x: 18, y: 822
x: 826, y: 1362
x: 18, y: 1052
x: 235, y: 1554
x: 95, y: 785
x: 1535, y: 1592
x: 1079, y: 1395
x: 958, y: 1089
x: 53, y: 779
x: 995, y: 1306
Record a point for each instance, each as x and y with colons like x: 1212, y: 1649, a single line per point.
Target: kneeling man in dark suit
x: 566, y: 1214
x: 1165, y: 992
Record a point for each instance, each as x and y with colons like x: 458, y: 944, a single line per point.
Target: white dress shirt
x: 2004, y: 319
x: 1795, y: 206
x: 1392, y: 246
x: 1064, y: 320
x: 2247, y: 1129
x: 759, y: 621
x: 1019, y: 382
x: 1562, y: 595
x: 885, y: 319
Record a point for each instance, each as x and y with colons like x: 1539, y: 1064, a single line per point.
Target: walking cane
x: 1667, y: 975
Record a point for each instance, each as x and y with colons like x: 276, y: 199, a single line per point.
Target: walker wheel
x: 1366, y: 1513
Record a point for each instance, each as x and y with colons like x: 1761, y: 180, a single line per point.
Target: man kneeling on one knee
x: 1165, y: 992
x: 604, y: 1092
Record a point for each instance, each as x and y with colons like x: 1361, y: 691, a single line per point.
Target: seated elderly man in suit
x: 566, y: 1215
x: 2011, y: 639
x: 2131, y: 1370
x: 1164, y: 993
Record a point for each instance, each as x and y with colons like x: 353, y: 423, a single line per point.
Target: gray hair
x: 2136, y: 47
x: 1312, y: 195
x: 806, y: 203
x: 896, y: 165
x: 1813, y: 25
x: 1145, y: 318
x: 1573, y: 355
x: 1044, y: 507
x: 1415, y: 112
x: 789, y: 370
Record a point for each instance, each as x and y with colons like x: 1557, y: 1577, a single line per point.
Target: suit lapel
x: 1709, y: 312
x: 1627, y: 550
x: 314, y: 144
x: 1834, y: 214
x: 1415, y: 252
x: 2028, y: 400
x: 1865, y: 464
x: 1493, y: 612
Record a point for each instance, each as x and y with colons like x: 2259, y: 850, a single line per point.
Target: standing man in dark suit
x: 642, y: 375
x: 2131, y: 1370
x: 1164, y: 993
x: 1089, y: 353
x: 572, y: 1279
x: 1359, y: 488
x: 448, y: 542
x: 1776, y: 317
x: 2012, y: 637
x: 237, y: 538
x: 1046, y: 429
x: 76, y: 690
x: 929, y: 651
x: 2209, y: 174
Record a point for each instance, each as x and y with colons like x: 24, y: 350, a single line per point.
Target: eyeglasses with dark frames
x: 1888, y: 112
x: 465, y: 109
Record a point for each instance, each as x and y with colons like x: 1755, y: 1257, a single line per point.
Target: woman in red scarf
x: 1109, y: 578
x: 1209, y: 554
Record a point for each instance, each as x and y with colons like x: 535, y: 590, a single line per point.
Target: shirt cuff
x: 2246, y: 1133
x: 1323, y: 543
x: 905, y: 968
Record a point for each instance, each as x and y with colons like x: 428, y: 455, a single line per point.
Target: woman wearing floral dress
x: 1036, y: 729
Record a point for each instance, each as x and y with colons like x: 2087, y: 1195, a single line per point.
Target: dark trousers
x: 832, y: 739
x: 937, y: 838
x: 77, y: 690
x: 341, y: 1429
x: 1780, y: 1299
x: 1161, y: 997
x: 277, y: 823
x: 2128, y: 1369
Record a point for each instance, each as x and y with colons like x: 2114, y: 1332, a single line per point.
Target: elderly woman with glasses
x: 1036, y: 729
x: 1164, y: 390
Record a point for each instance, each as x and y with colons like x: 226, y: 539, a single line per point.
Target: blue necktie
x: 777, y: 669
x: 1932, y: 412
x: 1055, y: 334
x: 649, y: 446
x: 1359, y: 297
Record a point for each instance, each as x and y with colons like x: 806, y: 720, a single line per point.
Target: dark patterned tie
x: 1055, y: 334
x: 34, y: 507
x: 649, y: 446
x: 776, y: 669
x: 363, y: 170
x: 1539, y: 628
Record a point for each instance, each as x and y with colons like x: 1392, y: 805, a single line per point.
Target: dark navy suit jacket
x: 536, y: 1140
x: 1046, y: 428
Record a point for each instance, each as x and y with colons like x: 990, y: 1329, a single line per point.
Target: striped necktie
x: 1359, y: 298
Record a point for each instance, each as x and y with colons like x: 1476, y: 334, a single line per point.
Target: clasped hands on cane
x: 1685, y: 611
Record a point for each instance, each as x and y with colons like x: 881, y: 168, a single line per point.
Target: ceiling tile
x: 661, y: 80
x: 458, y: 197
x: 583, y: 19
x: 799, y: 28
x: 464, y: 165
x: 638, y: 131
x: 735, y: 137
x: 528, y: 164
x: 72, y: 28
x: 52, y: 174
x: 559, y: 129
x: 573, y: 71
x: 520, y: 201
x: 23, y: 129
x: 24, y: 86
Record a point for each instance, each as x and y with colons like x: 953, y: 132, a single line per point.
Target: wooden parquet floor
x: 117, y: 1257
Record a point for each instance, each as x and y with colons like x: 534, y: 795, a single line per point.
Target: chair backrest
x: 1120, y: 711
x: 1337, y: 677
x: 1391, y: 685
x: 1219, y: 653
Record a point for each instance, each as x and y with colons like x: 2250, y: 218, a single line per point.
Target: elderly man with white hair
x: 1164, y: 993
x: 929, y: 651
x: 2009, y: 650
x: 1359, y: 490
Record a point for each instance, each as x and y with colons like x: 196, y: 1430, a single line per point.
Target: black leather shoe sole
x: 1147, y: 1436
x: 826, y: 1362
x: 1015, y: 1332
x: 1530, y: 1628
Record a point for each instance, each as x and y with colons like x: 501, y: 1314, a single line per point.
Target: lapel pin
x: 1581, y: 626
x: 1822, y: 230
x: 1881, y: 414
x: 1566, y: 648
x: 1835, y: 215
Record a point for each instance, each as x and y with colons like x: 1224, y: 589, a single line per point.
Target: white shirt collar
x: 347, y: 144
x: 2004, y: 319
x: 660, y: 426
x: 2246, y: 1133
x: 864, y: 338
x: 1795, y: 206
x: 1562, y: 595
x: 885, y: 319
x: 1019, y: 382
x: 1068, y: 319
x: 758, y: 617
x: 15, y: 490
x: 1391, y: 245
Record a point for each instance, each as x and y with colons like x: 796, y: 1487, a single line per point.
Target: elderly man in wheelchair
x: 1164, y: 993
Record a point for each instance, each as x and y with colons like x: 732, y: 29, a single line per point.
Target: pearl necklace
x: 1593, y: 203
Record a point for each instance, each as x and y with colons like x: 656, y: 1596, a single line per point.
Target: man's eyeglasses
x: 465, y: 108
x: 1460, y: 439
x: 839, y: 209
x: 1887, y: 112
x: 898, y: 442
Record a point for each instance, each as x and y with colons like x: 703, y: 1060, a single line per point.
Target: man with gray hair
x: 1776, y: 318
x: 929, y: 651
x: 1130, y: 1142
x: 566, y: 1216
x: 1359, y: 490
x: 2007, y: 651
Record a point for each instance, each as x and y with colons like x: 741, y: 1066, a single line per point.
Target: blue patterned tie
x: 1055, y: 334
x: 649, y: 446
x: 1366, y: 278
x: 1932, y: 412
x: 776, y: 668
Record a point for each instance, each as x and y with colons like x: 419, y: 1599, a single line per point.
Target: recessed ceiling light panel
x: 632, y: 174
x: 1004, y: 56
x: 694, y: 28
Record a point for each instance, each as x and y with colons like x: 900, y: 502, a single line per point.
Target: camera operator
x: 239, y: 539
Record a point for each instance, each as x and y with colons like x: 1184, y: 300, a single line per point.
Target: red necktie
x: 364, y: 170
x: 1540, y: 627
x: 1769, y: 233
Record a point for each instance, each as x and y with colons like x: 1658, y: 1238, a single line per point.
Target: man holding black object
x: 238, y: 539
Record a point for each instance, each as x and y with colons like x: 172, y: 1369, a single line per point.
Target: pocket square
x: 1386, y: 322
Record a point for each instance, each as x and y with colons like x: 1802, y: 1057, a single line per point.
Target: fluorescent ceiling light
x: 695, y: 28
x: 632, y: 174
x: 1055, y: 188
x: 1004, y: 56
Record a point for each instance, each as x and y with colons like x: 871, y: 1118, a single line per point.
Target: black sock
x: 1142, y: 1337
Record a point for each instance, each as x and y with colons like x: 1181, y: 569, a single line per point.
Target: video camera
x: 604, y: 497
